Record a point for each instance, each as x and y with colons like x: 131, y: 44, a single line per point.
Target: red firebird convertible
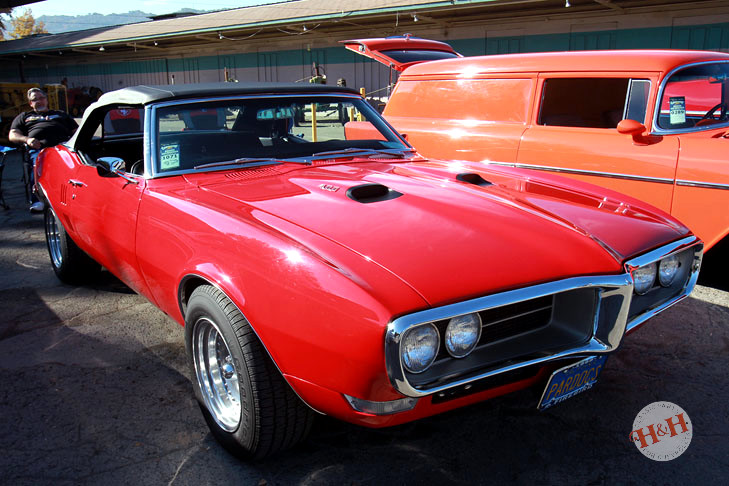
x: 317, y: 269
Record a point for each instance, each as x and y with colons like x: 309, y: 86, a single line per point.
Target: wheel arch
x: 192, y: 281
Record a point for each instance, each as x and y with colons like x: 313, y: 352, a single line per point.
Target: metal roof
x: 290, y: 17
x: 273, y: 14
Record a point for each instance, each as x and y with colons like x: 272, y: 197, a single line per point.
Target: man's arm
x: 16, y: 136
x: 18, y: 132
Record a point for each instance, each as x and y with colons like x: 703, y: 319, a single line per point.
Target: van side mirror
x: 630, y: 127
x: 636, y: 130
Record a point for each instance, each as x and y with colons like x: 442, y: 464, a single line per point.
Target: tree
x: 2, y: 24
x: 25, y: 25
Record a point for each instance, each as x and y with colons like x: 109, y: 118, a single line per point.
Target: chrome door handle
x: 76, y: 183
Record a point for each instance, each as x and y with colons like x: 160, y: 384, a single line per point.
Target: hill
x: 56, y: 24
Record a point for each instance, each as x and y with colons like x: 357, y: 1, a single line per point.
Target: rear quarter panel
x: 463, y: 119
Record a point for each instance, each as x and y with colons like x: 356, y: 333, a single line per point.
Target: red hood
x: 450, y: 239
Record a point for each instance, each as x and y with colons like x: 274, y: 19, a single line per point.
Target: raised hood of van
x: 401, y: 51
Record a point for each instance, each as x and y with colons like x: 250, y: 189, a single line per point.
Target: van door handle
x: 76, y: 183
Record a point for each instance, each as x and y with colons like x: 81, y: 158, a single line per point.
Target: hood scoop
x: 472, y: 178
x: 369, y: 193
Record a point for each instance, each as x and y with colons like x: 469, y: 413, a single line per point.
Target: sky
x: 157, y: 7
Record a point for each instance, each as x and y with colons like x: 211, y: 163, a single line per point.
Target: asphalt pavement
x: 94, y: 389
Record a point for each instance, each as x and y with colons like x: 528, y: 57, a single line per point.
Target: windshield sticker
x: 677, y: 105
x: 169, y: 156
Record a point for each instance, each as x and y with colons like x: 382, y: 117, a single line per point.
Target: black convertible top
x: 141, y: 95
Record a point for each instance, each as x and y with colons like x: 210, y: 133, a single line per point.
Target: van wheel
x: 248, y: 406
x: 70, y: 263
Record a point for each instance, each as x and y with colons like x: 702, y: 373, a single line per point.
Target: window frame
x: 629, y: 77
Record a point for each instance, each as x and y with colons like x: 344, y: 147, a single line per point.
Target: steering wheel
x: 722, y: 114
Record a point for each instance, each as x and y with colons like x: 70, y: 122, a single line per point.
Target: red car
x: 351, y: 277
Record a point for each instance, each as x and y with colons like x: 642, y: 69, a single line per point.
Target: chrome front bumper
x: 586, y: 316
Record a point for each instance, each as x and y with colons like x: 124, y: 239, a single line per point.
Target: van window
x: 593, y: 102
x: 490, y: 100
x: 410, y: 55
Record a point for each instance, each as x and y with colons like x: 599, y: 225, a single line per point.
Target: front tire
x: 70, y: 263
x: 248, y: 406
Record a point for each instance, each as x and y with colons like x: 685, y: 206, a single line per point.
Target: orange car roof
x: 584, y: 61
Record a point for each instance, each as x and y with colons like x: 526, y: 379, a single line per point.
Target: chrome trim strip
x: 657, y: 109
x: 705, y: 185
x: 602, y: 341
x: 564, y: 170
x: 148, y: 141
x: 657, y: 180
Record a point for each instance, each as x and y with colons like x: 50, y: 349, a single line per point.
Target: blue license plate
x: 573, y: 379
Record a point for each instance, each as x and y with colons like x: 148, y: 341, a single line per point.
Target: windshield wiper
x: 242, y: 161
x: 354, y: 152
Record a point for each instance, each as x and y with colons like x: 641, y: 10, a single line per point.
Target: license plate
x: 573, y: 379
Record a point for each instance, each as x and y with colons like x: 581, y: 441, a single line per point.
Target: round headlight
x: 419, y: 348
x: 644, y: 278
x: 462, y: 334
x: 668, y: 269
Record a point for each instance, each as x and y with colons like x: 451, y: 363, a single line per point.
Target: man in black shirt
x: 40, y: 128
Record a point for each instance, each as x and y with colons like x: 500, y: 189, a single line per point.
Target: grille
x: 508, y: 321
x: 517, y: 332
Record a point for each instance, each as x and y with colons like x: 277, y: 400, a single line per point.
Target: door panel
x: 702, y: 187
x: 104, y: 211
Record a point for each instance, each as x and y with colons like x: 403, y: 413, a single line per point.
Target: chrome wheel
x: 53, y: 237
x: 216, y: 373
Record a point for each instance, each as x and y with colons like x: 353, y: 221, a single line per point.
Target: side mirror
x: 630, y: 127
x: 113, y: 166
x: 636, y: 130
x: 109, y: 165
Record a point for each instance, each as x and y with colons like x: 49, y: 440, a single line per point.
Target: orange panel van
x: 653, y: 124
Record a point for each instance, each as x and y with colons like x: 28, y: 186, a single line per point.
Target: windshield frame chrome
x: 657, y: 130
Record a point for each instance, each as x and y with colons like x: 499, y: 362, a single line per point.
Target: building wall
x: 286, y: 61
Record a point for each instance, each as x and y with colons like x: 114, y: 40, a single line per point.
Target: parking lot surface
x: 94, y: 389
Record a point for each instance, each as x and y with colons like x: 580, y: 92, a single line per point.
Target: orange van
x: 650, y: 123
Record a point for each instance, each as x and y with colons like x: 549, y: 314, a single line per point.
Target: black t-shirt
x: 50, y: 127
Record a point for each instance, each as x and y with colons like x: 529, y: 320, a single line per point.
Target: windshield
x: 696, y: 97
x: 254, y: 131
